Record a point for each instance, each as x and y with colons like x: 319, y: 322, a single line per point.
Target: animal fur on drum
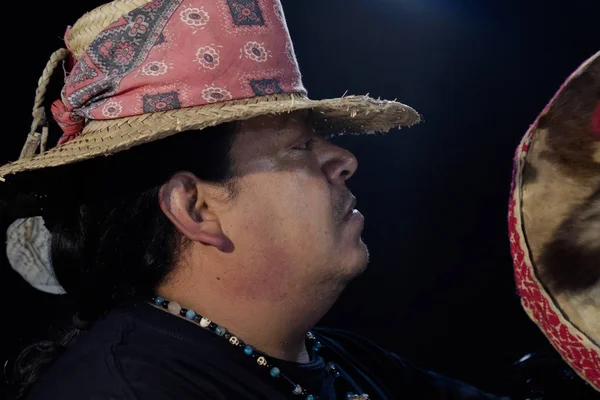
x: 572, y: 258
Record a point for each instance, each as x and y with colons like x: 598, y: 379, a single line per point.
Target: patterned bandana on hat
x: 173, y: 54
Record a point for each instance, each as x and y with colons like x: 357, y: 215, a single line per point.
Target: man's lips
x: 350, y: 209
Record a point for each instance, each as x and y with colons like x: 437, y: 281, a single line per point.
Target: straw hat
x: 554, y: 221
x: 142, y: 70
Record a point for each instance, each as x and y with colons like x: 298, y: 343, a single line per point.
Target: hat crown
x: 134, y: 57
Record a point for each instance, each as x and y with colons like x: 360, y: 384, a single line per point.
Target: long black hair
x: 111, y: 243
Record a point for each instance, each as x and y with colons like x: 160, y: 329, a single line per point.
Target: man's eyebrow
x: 300, y: 114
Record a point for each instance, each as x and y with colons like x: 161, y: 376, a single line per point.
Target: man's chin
x: 365, y: 256
x: 360, y: 259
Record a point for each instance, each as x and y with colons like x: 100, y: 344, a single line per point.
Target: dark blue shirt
x: 140, y: 352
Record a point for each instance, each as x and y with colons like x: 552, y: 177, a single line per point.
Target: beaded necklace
x: 262, y: 360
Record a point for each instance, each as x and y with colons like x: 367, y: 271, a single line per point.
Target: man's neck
x: 275, y: 328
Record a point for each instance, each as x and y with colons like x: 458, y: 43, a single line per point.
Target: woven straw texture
x: 351, y: 114
x: 92, y: 23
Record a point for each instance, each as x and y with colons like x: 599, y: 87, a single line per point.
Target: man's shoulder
x: 98, y: 364
x: 88, y: 366
x: 91, y: 375
x: 125, y: 356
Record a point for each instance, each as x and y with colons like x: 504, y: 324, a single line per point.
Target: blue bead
x: 220, y: 331
x: 350, y: 394
x: 190, y: 314
x: 275, y: 372
x: 317, y: 346
x: 159, y: 301
x: 248, y: 350
x: 310, y: 397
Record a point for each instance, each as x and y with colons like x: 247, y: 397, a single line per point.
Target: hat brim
x: 349, y: 114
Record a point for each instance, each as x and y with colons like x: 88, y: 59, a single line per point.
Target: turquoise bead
x: 310, y: 397
x: 317, y: 346
x: 220, y: 331
x: 248, y: 350
x: 190, y: 314
x: 159, y: 301
x: 275, y: 372
x: 349, y: 395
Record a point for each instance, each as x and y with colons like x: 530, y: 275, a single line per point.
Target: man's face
x: 292, y: 224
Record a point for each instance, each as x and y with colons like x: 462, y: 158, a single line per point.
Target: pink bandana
x: 170, y: 54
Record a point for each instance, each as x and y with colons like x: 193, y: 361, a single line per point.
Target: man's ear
x: 183, y: 200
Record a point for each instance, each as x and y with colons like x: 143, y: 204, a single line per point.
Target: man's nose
x: 339, y: 164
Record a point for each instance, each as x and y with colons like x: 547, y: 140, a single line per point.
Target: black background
x: 440, y: 287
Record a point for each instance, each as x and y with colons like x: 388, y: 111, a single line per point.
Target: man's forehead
x: 276, y: 126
